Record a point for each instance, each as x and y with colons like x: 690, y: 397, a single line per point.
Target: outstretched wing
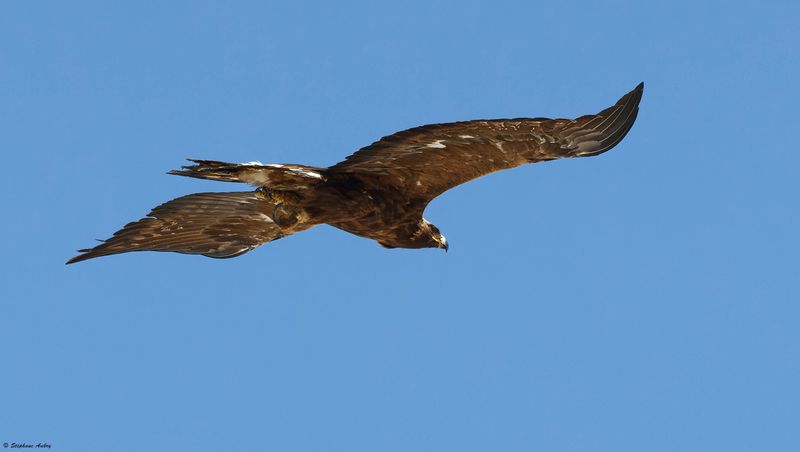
x: 426, y: 161
x: 212, y: 224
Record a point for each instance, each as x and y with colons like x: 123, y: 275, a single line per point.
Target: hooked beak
x: 445, y: 246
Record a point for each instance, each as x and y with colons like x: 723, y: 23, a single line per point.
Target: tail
x: 218, y: 225
x: 276, y: 176
x: 594, y: 134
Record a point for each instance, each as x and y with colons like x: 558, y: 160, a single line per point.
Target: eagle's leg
x: 279, y: 196
x: 283, y: 215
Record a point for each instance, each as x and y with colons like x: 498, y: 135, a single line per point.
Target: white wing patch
x: 436, y: 144
x: 307, y: 173
x: 466, y: 137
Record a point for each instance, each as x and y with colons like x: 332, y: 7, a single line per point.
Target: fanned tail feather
x: 277, y: 176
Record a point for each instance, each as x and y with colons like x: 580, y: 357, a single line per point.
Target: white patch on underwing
x: 436, y: 144
x: 275, y: 165
x: 307, y: 173
x: 253, y: 163
x: 466, y: 137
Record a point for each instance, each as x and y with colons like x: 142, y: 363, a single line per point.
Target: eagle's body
x: 379, y: 192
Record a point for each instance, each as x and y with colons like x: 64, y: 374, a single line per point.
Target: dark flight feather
x: 216, y: 225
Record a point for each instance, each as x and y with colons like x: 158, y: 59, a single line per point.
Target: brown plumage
x: 379, y: 192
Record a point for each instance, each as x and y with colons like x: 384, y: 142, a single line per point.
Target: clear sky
x: 643, y: 300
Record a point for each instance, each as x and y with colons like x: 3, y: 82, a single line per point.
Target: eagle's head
x: 424, y: 235
x: 432, y: 236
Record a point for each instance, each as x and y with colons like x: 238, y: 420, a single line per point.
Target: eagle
x: 380, y: 192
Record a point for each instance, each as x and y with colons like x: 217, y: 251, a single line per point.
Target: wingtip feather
x: 634, y: 96
x: 80, y: 257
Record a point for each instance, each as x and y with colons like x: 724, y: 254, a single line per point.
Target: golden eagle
x: 379, y: 192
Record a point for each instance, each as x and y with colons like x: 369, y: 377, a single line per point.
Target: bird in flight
x: 379, y: 192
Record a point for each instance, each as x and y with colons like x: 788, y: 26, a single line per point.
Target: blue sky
x: 646, y: 299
